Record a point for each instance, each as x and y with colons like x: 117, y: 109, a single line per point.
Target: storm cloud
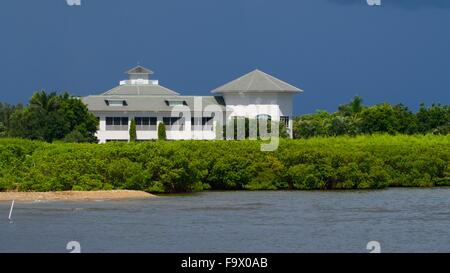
x: 407, y: 4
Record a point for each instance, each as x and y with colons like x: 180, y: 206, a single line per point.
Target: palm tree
x: 352, y: 108
x: 356, y: 105
x: 42, y: 100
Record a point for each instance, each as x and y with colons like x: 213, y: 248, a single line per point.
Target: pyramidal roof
x: 257, y: 81
x: 140, y: 90
x: 139, y: 70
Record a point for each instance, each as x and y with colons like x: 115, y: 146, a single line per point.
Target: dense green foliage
x: 162, y: 131
x: 50, y: 117
x: 355, y: 118
x: 77, y: 137
x: 6, y: 111
x: 361, y: 162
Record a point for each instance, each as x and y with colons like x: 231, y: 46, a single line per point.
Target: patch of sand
x: 73, y: 195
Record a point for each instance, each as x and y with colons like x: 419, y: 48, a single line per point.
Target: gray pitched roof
x: 139, y: 70
x: 147, y: 103
x: 257, y: 81
x: 143, y: 90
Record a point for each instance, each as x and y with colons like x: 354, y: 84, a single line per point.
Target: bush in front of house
x: 133, y: 134
x: 162, y: 131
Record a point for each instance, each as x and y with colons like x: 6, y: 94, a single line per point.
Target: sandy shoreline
x: 74, y: 195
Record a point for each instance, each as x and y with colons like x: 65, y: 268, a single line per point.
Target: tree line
x: 51, y: 116
x: 356, y: 119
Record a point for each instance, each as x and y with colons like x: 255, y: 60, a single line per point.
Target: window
x: 116, y: 123
x: 174, y: 123
x: 176, y: 102
x: 264, y: 117
x: 146, y: 123
x: 202, y: 123
x: 264, y: 125
x: 284, y: 120
x: 116, y: 103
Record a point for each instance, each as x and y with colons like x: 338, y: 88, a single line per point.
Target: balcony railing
x: 145, y: 127
x: 116, y: 127
x: 174, y: 128
x: 139, y: 81
x: 202, y: 128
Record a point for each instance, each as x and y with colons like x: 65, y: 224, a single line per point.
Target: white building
x: 254, y: 95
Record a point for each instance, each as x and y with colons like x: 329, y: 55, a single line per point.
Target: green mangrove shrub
x: 363, y: 162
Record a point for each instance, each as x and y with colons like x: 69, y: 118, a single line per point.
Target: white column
x: 291, y: 127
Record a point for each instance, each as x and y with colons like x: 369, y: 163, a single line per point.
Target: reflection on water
x: 402, y: 220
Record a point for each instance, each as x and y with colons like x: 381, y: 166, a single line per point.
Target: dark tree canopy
x: 6, y: 111
x: 354, y: 118
x: 50, y: 117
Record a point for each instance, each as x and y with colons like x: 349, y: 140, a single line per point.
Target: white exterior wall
x: 103, y: 135
x: 139, y: 76
x: 252, y: 105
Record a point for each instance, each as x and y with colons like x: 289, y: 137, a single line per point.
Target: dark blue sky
x: 333, y: 49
